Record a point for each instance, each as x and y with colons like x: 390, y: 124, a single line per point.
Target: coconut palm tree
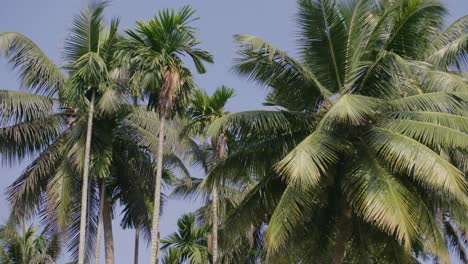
x: 29, y: 246
x: 355, y: 145
x: 189, y: 244
x: 59, y: 119
x: 153, y: 52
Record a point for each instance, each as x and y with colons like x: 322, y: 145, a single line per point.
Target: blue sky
x: 46, y: 23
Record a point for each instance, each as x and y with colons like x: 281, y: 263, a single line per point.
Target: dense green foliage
x: 362, y: 159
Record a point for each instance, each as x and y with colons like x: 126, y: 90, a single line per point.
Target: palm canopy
x: 187, y: 245
x: 28, y: 246
x: 154, y: 52
x: 365, y: 117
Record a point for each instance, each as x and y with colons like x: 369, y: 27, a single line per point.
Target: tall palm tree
x: 132, y: 175
x: 154, y: 51
x: 189, y: 244
x: 356, y: 145
x: 29, y: 246
x: 203, y: 111
x: 55, y: 121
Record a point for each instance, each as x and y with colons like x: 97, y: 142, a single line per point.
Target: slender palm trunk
x: 108, y: 234
x: 215, y: 223
x: 157, y: 191
x: 84, y: 190
x: 137, y: 242
x: 97, y: 250
x: 343, y: 235
x: 221, y: 149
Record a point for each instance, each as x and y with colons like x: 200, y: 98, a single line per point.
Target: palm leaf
x: 36, y: 70
x: 402, y: 154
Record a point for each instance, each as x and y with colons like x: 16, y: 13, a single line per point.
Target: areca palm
x: 189, y: 244
x: 133, y: 173
x: 29, y: 246
x: 364, y: 119
x: 154, y: 51
x: 203, y: 110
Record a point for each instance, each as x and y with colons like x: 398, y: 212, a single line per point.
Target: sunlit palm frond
x: 310, y: 161
x: 402, y: 154
x: 352, y: 110
x: 443, y: 119
x: 287, y: 215
x: 429, y: 134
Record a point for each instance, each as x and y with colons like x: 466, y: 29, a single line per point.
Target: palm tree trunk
x: 137, y: 242
x: 221, y: 149
x: 343, y: 234
x: 215, y: 223
x: 108, y: 235
x: 97, y: 252
x: 157, y: 191
x: 84, y: 188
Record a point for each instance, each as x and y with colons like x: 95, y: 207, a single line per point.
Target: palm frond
x: 351, y: 109
x: 429, y: 134
x: 323, y: 41
x: 261, y: 62
x: 437, y: 102
x: 36, y: 70
x: 309, y: 161
x: 17, y: 106
x: 402, y: 154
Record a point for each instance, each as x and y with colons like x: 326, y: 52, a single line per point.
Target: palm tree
x: 29, y: 246
x: 187, y: 245
x: 133, y: 169
x: 203, y: 110
x: 55, y: 122
x: 355, y: 148
x: 154, y: 52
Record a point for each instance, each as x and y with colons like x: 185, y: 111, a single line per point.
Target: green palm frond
x: 379, y: 198
x: 413, y: 26
x: 309, y: 161
x: 456, y: 122
x: 352, y: 110
x: 323, y: 41
x: 269, y: 66
x: 17, y: 106
x: 437, y: 102
x: 28, y: 138
x: 272, y: 122
x: 402, y: 154
x: 85, y: 33
x: 429, y: 134
x: 452, y: 54
x: 25, y: 194
x: 36, y: 70
x: 287, y: 215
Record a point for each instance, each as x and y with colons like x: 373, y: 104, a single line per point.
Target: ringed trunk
x: 97, y: 252
x: 108, y: 234
x: 137, y: 242
x: 157, y: 191
x: 215, y: 223
x: 84, y: 188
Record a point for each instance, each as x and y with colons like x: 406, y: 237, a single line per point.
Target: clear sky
x: 46, y: 23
